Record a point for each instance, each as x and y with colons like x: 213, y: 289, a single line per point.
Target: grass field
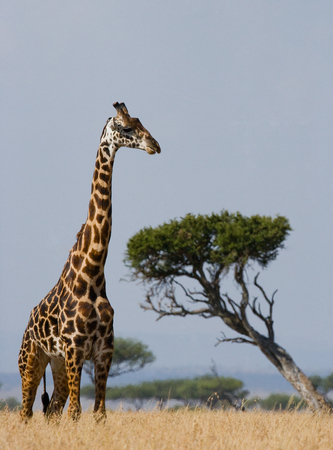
x: 183, y: 429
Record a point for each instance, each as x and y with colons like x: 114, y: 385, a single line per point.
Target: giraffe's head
x: 127, y: 131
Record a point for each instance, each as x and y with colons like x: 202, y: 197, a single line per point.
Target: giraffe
x: 74, y: 322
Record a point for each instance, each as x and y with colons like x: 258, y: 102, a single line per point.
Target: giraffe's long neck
x: 84, y: 270
x: 97, y: 229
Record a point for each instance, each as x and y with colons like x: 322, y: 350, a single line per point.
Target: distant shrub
x: 276, y: 402
x: 206, y: 390
x: 11, y: 403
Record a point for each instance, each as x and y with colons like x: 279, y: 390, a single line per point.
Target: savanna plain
x: 180, y: 429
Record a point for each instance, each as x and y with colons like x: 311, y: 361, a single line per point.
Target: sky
x: 239, y: 95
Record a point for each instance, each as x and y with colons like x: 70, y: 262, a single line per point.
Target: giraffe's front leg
x: 102, y: 363
x: 74, y: 363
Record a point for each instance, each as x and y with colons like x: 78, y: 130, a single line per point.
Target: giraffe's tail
x: 45, y: 396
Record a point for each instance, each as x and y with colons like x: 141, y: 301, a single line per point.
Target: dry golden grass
x: 179, y: 430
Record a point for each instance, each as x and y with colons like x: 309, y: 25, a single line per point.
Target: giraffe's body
x: 74, y: 322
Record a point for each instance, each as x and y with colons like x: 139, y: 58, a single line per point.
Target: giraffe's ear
x: 121, y: 109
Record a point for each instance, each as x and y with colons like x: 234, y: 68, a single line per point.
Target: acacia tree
x: 204, y: 250
x: 130, y: 355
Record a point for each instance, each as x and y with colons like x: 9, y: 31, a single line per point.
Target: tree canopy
x: 187, y: 246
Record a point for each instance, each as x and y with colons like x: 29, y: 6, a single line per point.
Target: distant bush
x: 276, y: 402
x: 209, y: 390
x: 11, y: 403
x: 323, y: 384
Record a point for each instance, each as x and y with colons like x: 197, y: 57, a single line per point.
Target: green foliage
x: 11, y: 403
x: 276, y: 402
x: 129, y: 355
x: 323, y: 384
x: 328, y: 383
x: 316, y: 381
x: 199, y: 388
x: 218, y: 240
x: 88, y: 391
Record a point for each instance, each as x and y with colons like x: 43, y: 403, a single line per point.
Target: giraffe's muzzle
x: 153, y: 147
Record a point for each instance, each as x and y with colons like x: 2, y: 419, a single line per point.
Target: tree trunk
x: 289, y: 370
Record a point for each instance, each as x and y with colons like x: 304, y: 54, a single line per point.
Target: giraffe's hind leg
x: 60, y: 392
x: 32, y: 364
x: 102, y: 364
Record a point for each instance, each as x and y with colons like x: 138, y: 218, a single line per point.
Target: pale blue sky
x: 239, y: 95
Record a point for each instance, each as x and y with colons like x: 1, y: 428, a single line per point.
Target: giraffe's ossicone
x: 74, y: 322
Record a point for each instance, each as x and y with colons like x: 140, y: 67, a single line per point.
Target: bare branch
x: 237, y: 340
x: 213, y: 369
x: 239, y: 277
x: 239, y: 272
x: 215, y: 274
x: 172, y: 307
x: 234, y: 305
x: 262, y: 290
x: 190, y: 294
x: 269, y: 319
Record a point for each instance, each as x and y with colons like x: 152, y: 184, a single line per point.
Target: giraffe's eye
x: 127, y: 129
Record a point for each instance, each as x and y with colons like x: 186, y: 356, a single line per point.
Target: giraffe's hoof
x: 74, y: 414
x: 100, y: 416
x: 25, y: 415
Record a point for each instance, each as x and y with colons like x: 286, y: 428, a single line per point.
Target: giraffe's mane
x: 79, y: 234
